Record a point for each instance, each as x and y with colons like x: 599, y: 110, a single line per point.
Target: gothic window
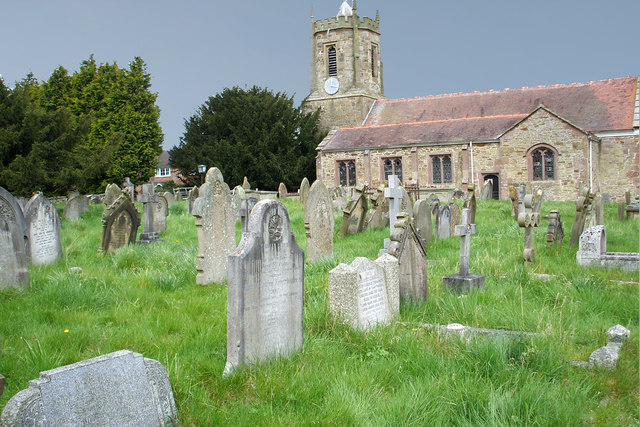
x: 332, y: 61
x: 542, y: 163
x: 374, y: 60
x: 441, y: 167
x: 393, y: 166
x: 347, y: 173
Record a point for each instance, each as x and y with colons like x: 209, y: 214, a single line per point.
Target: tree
x: 253, y: 133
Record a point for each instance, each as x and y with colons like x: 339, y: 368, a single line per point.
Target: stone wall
x: 340, y: 111
x: 619, y: 166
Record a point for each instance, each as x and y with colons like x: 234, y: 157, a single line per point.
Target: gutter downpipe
x: 590, y: 164
x: 471, y: 151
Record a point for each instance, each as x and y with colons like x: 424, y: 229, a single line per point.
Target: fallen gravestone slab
x: 116, y: 389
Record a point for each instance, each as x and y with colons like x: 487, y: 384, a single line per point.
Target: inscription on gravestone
x: 44, y: 230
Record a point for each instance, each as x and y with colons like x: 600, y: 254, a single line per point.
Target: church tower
x: 346, y: 71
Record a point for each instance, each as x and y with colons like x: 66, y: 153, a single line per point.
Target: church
x: 557, y: 137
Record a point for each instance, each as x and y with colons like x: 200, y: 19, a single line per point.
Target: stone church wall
x: 619, y: 166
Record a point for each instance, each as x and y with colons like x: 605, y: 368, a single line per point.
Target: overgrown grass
x: 144, y: 298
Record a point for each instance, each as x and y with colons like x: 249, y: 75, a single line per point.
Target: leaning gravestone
x: 408, y: 249
x: 304, y: 190
x: 11, y: 211
x: 44, y: 230
x: 470, y: 202
x: 365, y: 293
x: 111, y: 194
x: 422, y: 221
x: 120, y: 223
x: 318, y: 222
x: 487, y: 188
x: 443, y: 222
x: 194, y: 193
x: 116, y: 389
x: 75, y: 207
x: 14, y: 272
x: 378, y: 214
x: 216, y: 225
x: 355, y: 213
x: 455, y: 217
x: 266, y: 289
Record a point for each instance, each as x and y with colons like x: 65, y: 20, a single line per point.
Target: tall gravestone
x: 365, y: 293
x: 113, y: 390
x: 216, y: 225
x: 11, y: 211
x: 422, y: 221
x: 583, y: 208
x: 75, y: 207
x: 43, y: 224
x: 470, y: 202
x: 160, y: 213
x: 513, y: 196
x: 407, y: 247
x: 304, y: 190
x: 282, y: 191
x: 355, y: 213
x: 14, y: 272
x: 378, y: 213
x: 111, y: 194
x: 120, y: 223
x: 266, y: 289
x: 194, y: 193
x: 463, y: 281
x: 339, y: 199
x: 455, y: 217
x: 487, y: 189
x: 443, y: 222
x: 318, y: 222
x: 149, y: 200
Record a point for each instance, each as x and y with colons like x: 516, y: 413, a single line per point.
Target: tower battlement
x: 342, y: 21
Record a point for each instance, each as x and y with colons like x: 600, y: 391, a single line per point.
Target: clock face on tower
x: 331, y: 85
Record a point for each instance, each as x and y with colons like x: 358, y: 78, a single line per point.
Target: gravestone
x: 455, y: 217
x: 529, y: 217
x: 179, y: 196
x: 11, y: 211
x: 487, y: 189
x: 555, y: 232
x: 434, y: 204
x: 407, y: 247
x: 75, y: 207
x: 149, y: 201
x: 422, y: 221
x: 194, y: 193
x: 598, y: 210
x: 246, y: 205
x: 171, y: 200
x: 583, y: 207
x: 304, y: 190
x: 355, y: 213
x: 339, y: 199
x: 463, y: 281
x: 470, y: 202
x: 116, y: 389
x: 120, y: 223
x: 265, y: 293
x: 318, y: 222
x: 127, y: 186
x: 513, y: 196
x: 592, y: 251
x: 378, y: 213
x: 22, y: 202
x: 245, y: 184
x: 160, y: 213
x: 111, y: 194
x: 394, y: 194
x: 282, y: 191
x: 43, y: 224
x: 238, y: 191
x: 443, y: 222
x: 365, y: 293
x: 216, y: 226
x: 14, y: 271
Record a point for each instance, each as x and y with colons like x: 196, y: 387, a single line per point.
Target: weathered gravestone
x: 282, y: 191
x: 407, y: 247
x: 116, y: 389
x: 355, y: 213
x: 216, y: 225
x: 22, y: 202
x: 422, y: 221
x: 304, y: 190
x: 378, y: 214
x: 14, y: 272
x: 149, y: 201
x: 598, y: 210
x: 160, y: 213
x: 529, y: 217
x: 365, y: 293
x: 555, y: 232
x: 194, y: 193
x: 127, y: 186
x: 43, y: 224
x: 318, y: 222
x: 111, y: 194
x: 443, y: 222
x: 171, y: 200
x: 470, y: 202
x: 246, y: 205
x: 487, y: 190
x: 339, y: 199
x: 592, y: 251
x: 266, y: 289
x: 583, y: 207
x: 455, y: 217
x: 75, y: 207
x: 11, y: 211
x: 245, y: 184
x: 463, y: 281
x: 120, y: 223
x: 513, y: 196
x: 434, y: 204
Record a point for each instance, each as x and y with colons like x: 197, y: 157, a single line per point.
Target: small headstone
x: 422, y: 221
x: 43, y: 223
x: 513, y: 196
x: 583, y: 207
x: 555, y: 232
x: 171, y: 200
x: 355, y: 213
x: 443, y: 222
x: 529, y: 217
x: 318, y: 222
x: 339, y: 199
x: 117, y: 389
x: 378, y: 213
x: 75, y: 207
x: 246, y: 205
x: 179, y: 196
x: 194, y: 193
x: 411, y: 253
x: 455, y: 217
x: 282, y: 191
x: 463, y: 281
x: 434, y: 204
x: 216, y: 225
x: 14, y: 272
x: 365, y: 293
x: 149, y: 201
x: 238, y: 191
x: 111, y: 194
x: 304, y: 190
x: 160, y: 213
x: 265, y: 292
x: 75, y: 270
x: 120, y: 223
x: 470, y: 202
x: 245, y: 184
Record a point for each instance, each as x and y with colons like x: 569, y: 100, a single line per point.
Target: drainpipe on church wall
x: 590, y: 164
x: 471, y: 159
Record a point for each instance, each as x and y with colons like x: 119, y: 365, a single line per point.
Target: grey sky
x: 194, y: 49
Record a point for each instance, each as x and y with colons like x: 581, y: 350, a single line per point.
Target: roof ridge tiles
x: 495, y: 116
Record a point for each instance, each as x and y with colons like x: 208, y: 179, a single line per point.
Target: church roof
x: 603, y: 105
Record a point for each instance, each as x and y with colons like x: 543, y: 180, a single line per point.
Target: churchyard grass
x: 144, y: 298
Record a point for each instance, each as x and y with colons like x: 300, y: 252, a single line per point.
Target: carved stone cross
x: 529, y: 217
x: 394, y: 194
x: 465, y: 230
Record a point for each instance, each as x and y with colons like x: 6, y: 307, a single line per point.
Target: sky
x: 195, y: 49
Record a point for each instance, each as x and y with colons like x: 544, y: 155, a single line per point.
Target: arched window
x: 347, y: 173
x: 441, y: 169
x: 542, y: 163
x: 393, y: 166
x: 333, y: 61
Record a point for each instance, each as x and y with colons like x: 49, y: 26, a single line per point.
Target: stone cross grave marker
x: 116, y: 389
x: 318, y: 222
x: 148, y: 199
x: 422, y: 221
x: 555, y: 232
x: 583, y: 207
x: 463, y: 281
x: 443, y: 222
x: 128, y: 186
x: 120, y: 223
x: 355, y: 213
x: 365, y: 293
x: 43, y: 223
x: 528, y: 218
x: 266, y: 289
x: 394, y: 194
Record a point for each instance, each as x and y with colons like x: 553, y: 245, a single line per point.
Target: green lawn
x: 144, y: 298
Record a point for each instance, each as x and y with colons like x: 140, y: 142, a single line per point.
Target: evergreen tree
x: 253, y: 133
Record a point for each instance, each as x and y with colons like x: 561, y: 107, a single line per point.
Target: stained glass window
x: 393, y: 167
x: 446, y: 170
x: 351, y: 169
x: 442, y: 172
x: 543, y: 164
x: 437, y: 174
x: 342, y: 169
x: 548, y: 165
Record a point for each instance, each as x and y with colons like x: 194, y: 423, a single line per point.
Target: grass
x: 144, y: 298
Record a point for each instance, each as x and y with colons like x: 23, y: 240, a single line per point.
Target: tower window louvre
x: 333, y: 62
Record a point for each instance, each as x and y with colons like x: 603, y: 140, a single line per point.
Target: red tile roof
x: 477, y: 116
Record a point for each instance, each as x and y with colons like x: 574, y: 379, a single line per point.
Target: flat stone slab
x: 468, y: 331
x: 463, y: 283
